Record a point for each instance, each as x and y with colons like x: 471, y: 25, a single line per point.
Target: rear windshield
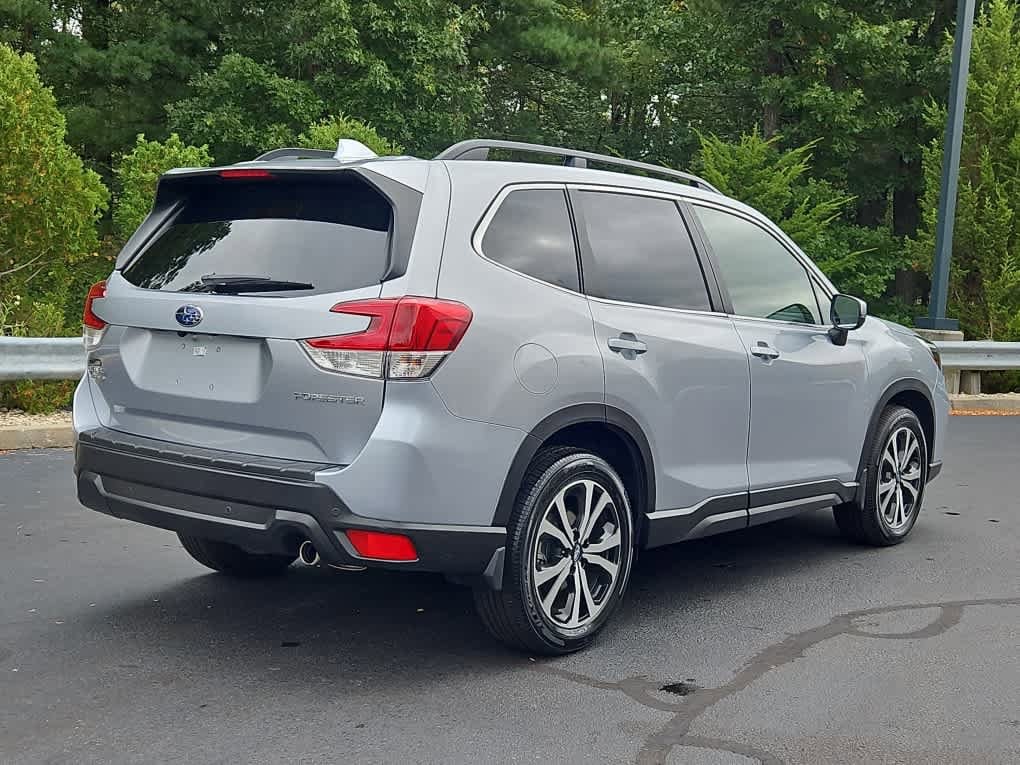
x: 330, y: 232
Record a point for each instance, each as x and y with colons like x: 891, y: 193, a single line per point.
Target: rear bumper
x: 261, y: 505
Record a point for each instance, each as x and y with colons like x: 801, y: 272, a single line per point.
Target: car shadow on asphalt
x: 312, y: 619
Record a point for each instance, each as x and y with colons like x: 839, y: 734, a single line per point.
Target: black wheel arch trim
x: 579, y: 414
x: 900, y: 386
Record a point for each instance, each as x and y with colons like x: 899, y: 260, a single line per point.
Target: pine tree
x: 985, y: 278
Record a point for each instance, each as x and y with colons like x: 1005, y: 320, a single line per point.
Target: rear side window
x: 531, y: 233
x: 641, y: 252
x: 330, y: 232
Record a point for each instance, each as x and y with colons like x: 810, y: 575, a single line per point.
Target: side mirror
x: 847, y: 314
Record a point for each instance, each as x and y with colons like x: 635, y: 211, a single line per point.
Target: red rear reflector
x: 89, y: 319
x: 245, y: 172
x: 379, y: 545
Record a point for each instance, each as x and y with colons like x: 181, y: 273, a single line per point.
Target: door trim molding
x: 734, y: 511
x: 725, y: 512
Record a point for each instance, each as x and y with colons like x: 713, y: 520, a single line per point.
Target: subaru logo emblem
x: 189, y: 315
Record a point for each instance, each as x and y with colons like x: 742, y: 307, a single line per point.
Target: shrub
x: 243, y: 108
x: 326, y: 133
x: 138, y: 171
x: 49, y: 202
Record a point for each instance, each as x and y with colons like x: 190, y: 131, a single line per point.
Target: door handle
x: 763, y: 350
x: 626, y: 342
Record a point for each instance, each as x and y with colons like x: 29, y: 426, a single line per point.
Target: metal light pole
x: 936, y: 318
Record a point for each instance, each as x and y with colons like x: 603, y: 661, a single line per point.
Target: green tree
x: 855, y: 75
x: 401, y: 65
x: 114, y: 65
x: 985, y: 278
x: 138, y: 171
x: 243, y: 108
x: 326, y: 133
x: 49, y: 202
x: 634, y: 78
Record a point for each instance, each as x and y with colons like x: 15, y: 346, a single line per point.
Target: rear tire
x: 570, y: 544
x: 231, y: 559
x: 894, y: 489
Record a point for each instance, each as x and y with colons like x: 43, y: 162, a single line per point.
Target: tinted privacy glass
x: 641, y: 252
x: 764, y: 279
x: 531, y: 233
x: 331, y: 233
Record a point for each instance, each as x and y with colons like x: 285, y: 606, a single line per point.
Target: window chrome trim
x: 626, y: 304
x: 764, y: 223
x: 490, y: 212
x: 613, y: 189
x: 782, y: 323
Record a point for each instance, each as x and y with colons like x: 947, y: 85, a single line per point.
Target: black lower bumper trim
x: 258, y: 510
x: 933, y: 470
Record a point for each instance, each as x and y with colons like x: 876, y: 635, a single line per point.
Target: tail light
x: 379, y: 545
x: 406, y: 338
x: 92, y: 327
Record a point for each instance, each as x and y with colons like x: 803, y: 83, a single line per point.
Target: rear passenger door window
x: 531, y: 233
x: 639, y: 251
x: 764, y: 279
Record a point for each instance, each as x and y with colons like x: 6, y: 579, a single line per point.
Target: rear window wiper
x: 232, y: 285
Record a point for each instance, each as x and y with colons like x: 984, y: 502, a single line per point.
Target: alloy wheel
x: 577, y: 554
x: 900, y: 477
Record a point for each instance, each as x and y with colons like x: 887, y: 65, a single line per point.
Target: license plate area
x: 211, y: 367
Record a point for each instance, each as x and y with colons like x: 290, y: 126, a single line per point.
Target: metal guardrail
x: 63, y: 358
x: 41, y: 358
x: 979, y: 356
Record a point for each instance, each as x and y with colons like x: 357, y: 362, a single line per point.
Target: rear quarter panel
x: 531, y: 349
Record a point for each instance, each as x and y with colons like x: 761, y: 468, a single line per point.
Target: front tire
x: 894, y: 489
x: 231, y: 559
x: 570, y: 544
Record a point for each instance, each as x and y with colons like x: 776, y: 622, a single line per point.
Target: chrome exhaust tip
x: 308, y: 554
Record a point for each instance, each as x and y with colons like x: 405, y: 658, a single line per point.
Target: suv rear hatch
x: 215, y: 293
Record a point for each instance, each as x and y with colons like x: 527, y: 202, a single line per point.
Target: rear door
x: 216, y: 365
x: 671, y: 362
x: 808, y: 408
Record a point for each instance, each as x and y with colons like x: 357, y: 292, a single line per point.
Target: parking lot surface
x: 781, y: 644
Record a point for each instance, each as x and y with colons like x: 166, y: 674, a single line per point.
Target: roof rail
x: 478, y: 149
x: 295, y: 154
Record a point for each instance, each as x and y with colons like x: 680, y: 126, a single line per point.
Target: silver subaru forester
x: 518, y: 374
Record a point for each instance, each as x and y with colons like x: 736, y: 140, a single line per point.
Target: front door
x: 808, y: 414
x: 675, y: 366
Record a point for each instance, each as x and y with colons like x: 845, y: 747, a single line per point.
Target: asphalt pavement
x: 781, y: 644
